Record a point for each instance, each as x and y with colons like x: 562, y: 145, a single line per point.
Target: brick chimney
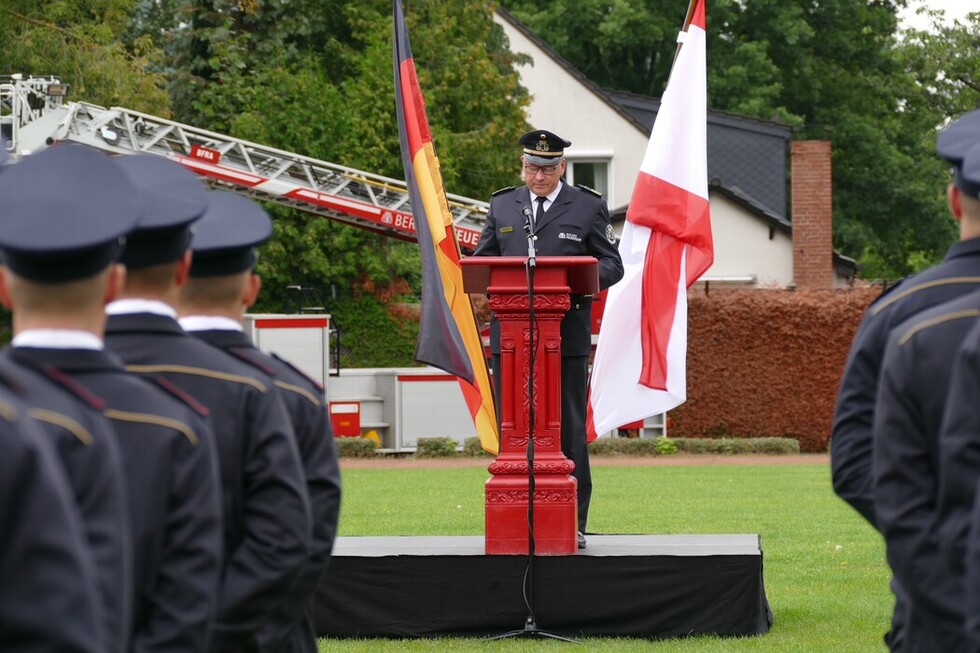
x: 812, y: 214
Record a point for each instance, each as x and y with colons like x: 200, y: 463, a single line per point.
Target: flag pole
x: 687, y: 23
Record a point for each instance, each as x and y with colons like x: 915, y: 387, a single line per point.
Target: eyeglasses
x: 547, y: 171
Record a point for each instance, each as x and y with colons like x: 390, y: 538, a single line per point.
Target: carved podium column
x: 555, y: 507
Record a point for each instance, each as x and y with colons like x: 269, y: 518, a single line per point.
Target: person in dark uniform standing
x: 565, y: 221
x: 49, y: 596
x: 266, y: 510
x: 48, y: 590
x: 64, y: 212
x: 851, y: 441
x: 222, y: 286
x: 167, y: 449
x: 912, y: 392
x: 956, y: 527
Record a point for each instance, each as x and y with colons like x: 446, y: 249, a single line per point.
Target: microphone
x: 528, y: 216
x: 530, y: 236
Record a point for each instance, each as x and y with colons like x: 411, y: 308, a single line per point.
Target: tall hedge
x: 767, y: 363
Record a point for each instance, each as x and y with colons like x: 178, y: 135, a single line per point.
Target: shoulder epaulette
x: 179, y: 393
x: 316, y: 384
x: 248, y: 355
x: 589, y: 190
x: 502, y: 190
x: 74, y: 387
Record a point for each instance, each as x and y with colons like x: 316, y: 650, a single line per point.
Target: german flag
x: 448, y: 335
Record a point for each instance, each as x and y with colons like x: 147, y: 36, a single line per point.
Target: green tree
x: 945, y: 62
x: 82, y: 43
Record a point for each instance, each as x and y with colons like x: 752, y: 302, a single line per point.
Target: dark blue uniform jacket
x: 912, y: 395
x: 264, y: 501
x: 173, y: 493
x: 49, y: 600
x: 850, y: 445
x: 72, y: 417
x: 291, y: 630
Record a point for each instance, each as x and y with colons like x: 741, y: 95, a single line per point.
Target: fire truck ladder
x: 34, y: 115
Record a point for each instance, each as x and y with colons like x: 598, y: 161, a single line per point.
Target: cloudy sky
x: 953, y: 9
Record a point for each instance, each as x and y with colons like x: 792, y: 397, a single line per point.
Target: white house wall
x: 743, y: 247
x: 562, y: 104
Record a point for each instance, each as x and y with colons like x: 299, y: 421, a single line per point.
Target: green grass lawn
x: 825, y: 574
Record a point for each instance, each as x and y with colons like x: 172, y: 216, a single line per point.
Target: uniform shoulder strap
x: 180, y: 394
x: 502, y: 190
x: 589, y: 190
x: 66, y: 381
x: 316, y: 384
x: 253, y: 358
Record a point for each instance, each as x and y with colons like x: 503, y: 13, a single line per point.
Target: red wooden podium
x: 504, y: 278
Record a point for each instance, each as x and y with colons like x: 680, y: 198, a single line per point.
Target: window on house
x: 594, y: 174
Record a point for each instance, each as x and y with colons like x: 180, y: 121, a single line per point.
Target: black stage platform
x: 621, y: 585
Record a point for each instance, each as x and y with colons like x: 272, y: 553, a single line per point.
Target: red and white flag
x: 640, y: 365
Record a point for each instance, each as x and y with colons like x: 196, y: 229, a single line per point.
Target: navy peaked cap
x: 969, y: 177
x: 542, y: 147
x: 65, y: 210
x: 225, y: 238
x: 958, y: 137
x: 175, y: 197
x: 955, y: 141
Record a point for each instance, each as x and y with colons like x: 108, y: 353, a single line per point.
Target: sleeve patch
x: 610, y: 234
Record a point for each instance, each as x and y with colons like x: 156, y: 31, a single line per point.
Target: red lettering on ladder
x: 404, y: 221
x: 467, y: 238
x: 205, y: 153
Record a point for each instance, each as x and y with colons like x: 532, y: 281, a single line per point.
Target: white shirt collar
x: 58, y: 339
x: 129, y: 306
x: 209, y: 323
x: 549, y: 198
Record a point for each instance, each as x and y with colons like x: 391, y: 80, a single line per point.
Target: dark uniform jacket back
x: 266, y: 510
x: 850, y: 445
x: 291, y: 629
x: 49, y: 599
x: 86, y: 445
x: 173, y: 493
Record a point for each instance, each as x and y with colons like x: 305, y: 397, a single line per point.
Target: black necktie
x: 539, y: 211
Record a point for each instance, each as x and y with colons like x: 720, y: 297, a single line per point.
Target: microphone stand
x: 531, y: 624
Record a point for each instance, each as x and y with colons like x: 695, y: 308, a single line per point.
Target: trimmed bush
x: 747, y: 346
x: 737, y: 445
x: 443, y: 447
x: 664, y: 446
x: 641, y: 447
x: 473, y: 448
x: 776, y: 445
x: 634, y: 447
x: 356, y: 448
x: 435, y: 448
